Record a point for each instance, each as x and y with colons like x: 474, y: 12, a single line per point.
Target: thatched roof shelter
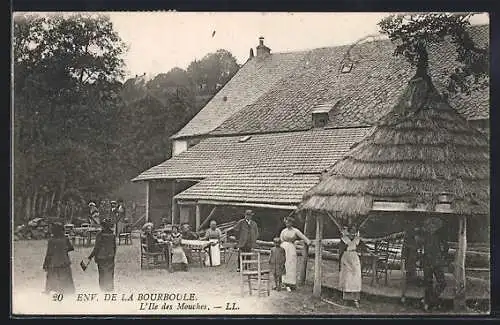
x: 420, y: 151
x: 418, y: 158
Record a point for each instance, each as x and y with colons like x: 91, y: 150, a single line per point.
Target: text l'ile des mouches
x: 150, y: 301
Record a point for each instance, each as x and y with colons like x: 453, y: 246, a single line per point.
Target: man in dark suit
x: 247, y: 233
x: 436, y: 248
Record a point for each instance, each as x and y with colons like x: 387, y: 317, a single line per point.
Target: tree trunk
x: 27, y: 215
x: 305, y: 253
x: 423, y: 61
x: 459, y: 302
x: 52, y: 199
x: 33, y: 204
x: 47, y: 203
x: 71, y: 209
x: 39, y: 206
x: 134, y: 211
x: 62, y: 188
x: 58, y: 209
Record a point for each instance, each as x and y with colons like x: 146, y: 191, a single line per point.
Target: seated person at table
x: 164, y: 223
x: 149, y: 239
x: 213, y: 234
x: 189, y: 235
x: 164, y: 233
x: 179, y: 259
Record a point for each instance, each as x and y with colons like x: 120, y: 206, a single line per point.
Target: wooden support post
x: 317, y: 256
x: 174, y: 204
x: 198, y: 217
x: 147, y: 201
x: 403, y: 280
x: 305, y: 253
x: 459, y: 302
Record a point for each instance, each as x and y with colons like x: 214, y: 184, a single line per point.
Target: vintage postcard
x: 225, y: 163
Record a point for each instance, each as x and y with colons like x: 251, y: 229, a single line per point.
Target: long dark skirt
x: 60, y: 279
x: 106, y: 274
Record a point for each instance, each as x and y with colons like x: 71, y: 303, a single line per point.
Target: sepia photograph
x: 250, y: 163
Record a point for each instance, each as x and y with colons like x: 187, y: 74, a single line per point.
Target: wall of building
x: 160, y: 200
x: 179, y: 146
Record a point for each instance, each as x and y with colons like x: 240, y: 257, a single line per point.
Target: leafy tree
x: 213, y: 71
x: 66, y: 72
x: 413, y: 33
x: 145, y: 128
x: 175, y: 83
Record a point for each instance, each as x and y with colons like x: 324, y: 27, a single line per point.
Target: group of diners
x: 171, y: 240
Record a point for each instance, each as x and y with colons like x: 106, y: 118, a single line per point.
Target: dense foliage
x: 79, y: 132
x: 413, y: 33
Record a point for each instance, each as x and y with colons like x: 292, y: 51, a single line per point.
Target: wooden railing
x: 475, y: 259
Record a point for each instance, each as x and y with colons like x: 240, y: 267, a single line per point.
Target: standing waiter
x: 248, y: 232
x: 118, y: 213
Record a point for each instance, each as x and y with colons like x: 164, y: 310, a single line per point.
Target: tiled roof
x: 277, y: 189
x: 364, y: 94
x: 252, y: 80
x: 263, y: 155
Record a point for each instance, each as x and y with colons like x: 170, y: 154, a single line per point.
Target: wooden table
x: 198, y: 246
x: 88, y: 232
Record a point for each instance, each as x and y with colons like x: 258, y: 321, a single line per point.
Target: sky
x: 160, y: 41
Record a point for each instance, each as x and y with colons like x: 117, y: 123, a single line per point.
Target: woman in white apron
x: 213, y: 234
x: 288, y: 237
x: 350, y: 268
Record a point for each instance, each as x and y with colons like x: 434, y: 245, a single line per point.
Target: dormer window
x: 346, y: 67
x: 321, y: 114
x: 320, y: 120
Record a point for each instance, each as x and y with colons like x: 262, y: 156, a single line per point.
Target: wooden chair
x: 81, y: 238
x: 198, y: 256
x: 387, y: 253
x: 227, y: 251
x: 382, y: 252
x: 126, y: 237
x: 69, y: 232
x: 150, y: 260
x: 251, y: 270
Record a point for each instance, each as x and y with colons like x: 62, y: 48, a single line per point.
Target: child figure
x: 277, y: 263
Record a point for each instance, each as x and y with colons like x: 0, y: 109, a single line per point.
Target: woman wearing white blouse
x: 213, y: 234
x: 288, y: 236
x: 350, y: 267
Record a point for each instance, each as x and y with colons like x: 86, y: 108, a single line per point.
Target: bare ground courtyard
x: 213, y: 288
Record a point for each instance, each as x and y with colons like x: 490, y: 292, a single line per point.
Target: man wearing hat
x: 436, y: 248
x: 104, y: 255
x: 247, y: 233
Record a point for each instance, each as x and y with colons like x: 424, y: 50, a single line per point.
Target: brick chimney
x: 262, y: 50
